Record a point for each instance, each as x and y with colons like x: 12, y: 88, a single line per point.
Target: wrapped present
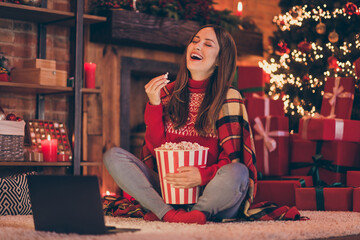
x: 306, y: 181
x: 251, y: 80
x: 326, y: 161
x: 356, y: 200
x: 279, y: 191
x: 324, y: 199
x: 357, y: 67
x: 272, y: 145
x: 319, y: 128
x: 262, y: 106
x: 353, y: 178
x: 338, y: 97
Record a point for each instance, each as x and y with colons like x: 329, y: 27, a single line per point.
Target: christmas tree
x: 314, y: 40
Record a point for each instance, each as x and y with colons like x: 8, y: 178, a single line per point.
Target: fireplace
x: 135, y: 73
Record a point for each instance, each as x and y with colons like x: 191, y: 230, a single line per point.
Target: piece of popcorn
x: 181, y: 146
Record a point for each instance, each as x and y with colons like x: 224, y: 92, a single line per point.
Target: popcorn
x: 181, y: 146
x: 171, y: 156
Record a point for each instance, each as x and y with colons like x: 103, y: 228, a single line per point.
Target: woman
x: 198, y: 107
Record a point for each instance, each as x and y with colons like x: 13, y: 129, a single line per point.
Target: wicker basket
x: 12, y: 141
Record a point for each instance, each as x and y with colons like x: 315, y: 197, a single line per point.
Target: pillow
x: 14, y: 195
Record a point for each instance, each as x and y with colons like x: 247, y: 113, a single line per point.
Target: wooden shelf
x: 90, y: 90
x: 37, y: 164
x: 32, y: 88
x: 48, y: 164
x: 91, y: 164
x: 43, y: 15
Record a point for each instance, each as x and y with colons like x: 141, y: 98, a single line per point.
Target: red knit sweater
x: 159, y: 130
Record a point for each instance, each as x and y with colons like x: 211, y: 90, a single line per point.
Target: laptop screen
x: 66, y: 204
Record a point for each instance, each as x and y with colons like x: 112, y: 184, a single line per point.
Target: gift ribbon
x: 319, y: 193
x: 269, y: 142
x: 338, y: 92
x: 319, y: 162
x: 255, y: 89
x: 266, y: 103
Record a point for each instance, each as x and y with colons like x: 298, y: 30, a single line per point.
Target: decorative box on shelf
x: 40, y: 71
x: 12, y: 140
x: 38, y: 130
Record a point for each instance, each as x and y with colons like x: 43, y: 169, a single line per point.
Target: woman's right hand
x: 153, y: 87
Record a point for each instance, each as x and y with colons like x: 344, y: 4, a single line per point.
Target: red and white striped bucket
x: 168, y: 161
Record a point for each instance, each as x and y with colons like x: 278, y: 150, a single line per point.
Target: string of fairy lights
x: 295, y: 18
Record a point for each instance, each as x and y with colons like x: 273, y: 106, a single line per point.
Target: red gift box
x: 251, y: 80
x: 341, y: 157
x: 281, y: 192
x: 356, y: 200
x: 334, y: 199
x: 329, y: 129
x: 262, y: 106
x: 271, y: 136
x: 338, y: 97
x: 353, y: 178
x: 4, y: 77
x: 306, y: 179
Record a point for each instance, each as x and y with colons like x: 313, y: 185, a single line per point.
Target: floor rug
x: 321, y: 225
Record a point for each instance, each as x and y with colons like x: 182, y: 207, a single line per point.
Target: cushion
x: 14, y: 195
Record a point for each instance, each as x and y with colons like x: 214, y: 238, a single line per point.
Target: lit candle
x: 89, y: 69
x: 239, y: 9
x: 49, y: 149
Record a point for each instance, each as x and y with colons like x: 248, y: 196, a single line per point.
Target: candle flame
x: 48, y: 137
x: 107, y: 193
x: 240, y: 7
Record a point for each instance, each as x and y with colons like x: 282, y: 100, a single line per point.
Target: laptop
x: 68, y: 204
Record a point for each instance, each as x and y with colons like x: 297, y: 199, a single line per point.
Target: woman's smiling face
x: 202, y: 54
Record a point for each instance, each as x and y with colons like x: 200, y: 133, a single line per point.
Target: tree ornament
x: 321, y: 28
x: 333, y: 37
x: 351, y: 9
x: 306, y: 78
x: 332, y: 62
x: 304, y: 46
x: 282, y: 49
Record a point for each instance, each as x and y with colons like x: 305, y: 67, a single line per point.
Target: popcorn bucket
x: 168, y: 161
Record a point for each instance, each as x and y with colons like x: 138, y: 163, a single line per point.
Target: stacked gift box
x: 326, y: 150
x: 250, y: 80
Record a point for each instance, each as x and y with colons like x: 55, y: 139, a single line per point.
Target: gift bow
x: 269, y: 142
x: 338, y: 92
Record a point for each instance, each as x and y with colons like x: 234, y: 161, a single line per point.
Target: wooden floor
x: 351, y: 237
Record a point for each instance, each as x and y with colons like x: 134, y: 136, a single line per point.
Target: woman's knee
x: 111, y: 156
x: 236, y: 172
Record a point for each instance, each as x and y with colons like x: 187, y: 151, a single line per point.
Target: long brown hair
x: 216, y: 90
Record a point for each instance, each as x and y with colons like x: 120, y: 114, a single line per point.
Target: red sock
x: 150, y: 216
x: 181, y: 216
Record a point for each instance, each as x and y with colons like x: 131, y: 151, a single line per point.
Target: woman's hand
x: 153, y: 88
x: 186, y: 177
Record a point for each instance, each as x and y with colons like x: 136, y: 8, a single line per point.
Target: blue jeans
x: 220, y: 199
